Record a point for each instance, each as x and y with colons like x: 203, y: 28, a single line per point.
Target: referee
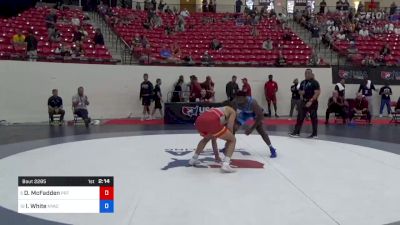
x: 309, y: 92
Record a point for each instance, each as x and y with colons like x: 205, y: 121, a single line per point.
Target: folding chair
x: 395, y: 115
x: 77, y: 120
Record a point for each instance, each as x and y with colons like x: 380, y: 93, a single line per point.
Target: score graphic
x: 65, y: 194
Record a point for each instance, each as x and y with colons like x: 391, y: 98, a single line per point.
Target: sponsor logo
x: 208, y: 161
x: 390, y: 75
x: 353, y: 74
x: 193, y: 111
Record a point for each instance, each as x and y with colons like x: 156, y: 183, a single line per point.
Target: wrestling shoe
x: 194, y: 162
x: 226, y: 168
x: 313, y: 136
x: 273, y: 152
x: 294, y: 135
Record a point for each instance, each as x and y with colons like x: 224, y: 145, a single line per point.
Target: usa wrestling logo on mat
x: 180, y: 159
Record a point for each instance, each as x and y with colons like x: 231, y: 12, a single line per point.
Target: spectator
x: 31, y: 46
x: 168, y: 10
x: 54, y: 35
x: 286, y: 36
x: 146, y: 95
x: 295, y: 100
x: 208, y: 85
x: 177, y: 94
x: 335, y: 105
x: 368, y: 61
x: 360, y: 108
x: 270, y: 89
x: 397, y: 107
x: 18, y: 39
x: 157, y: 98
x: 341, y: 88
x: 185, y: 13
x: 77, y: 50
x: 165, y: 52
x: 169, y: 29
x: 314, y: 59
x: 176, y: 50
x: 385, y: 51
x: 339, y: 5
x: 211, y: 6
x: 98, y: 37
x: 380, y: 60
x: 55, y: 107
x: 232, y: 88
x: 393, y: 8
x: 389, y: 27
x: 153, y: 4
x: 341, y: 36
x: 268, y: 44
x: 180, y: 24
x: 215, y: 44
x: 63, y: 50
x: 281, y: 60
x: 79, y: 35
x: 254, y: 32
x: 309, y: 91
x: 397, y: 30
x: 204, y: 97
x: 204, y: 6
x: 365, y: 90
x: 143, y: 40
x: 195, y: 89
x: 79, y: 104
x: 363, y: 32
x: 238, y: 6
x: 136, y: 41
x: 322, y: 7
x: 346, y: 5
x: 352, y: 49
x: 246, y: 88
x: 360, y: 7
x: 189, y: 59
x: 51, y: 19
x: 206, y: 58
x: 385, y: 92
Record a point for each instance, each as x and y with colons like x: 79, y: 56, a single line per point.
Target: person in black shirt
x: 366, y: 90
x: 177, y: 94
x: 341, y: 88
x: 98, y: 37
x: 157, y: 98
x: 335, y: 105
x: 295, y: 101
x: 385, y: 92
x: 55, y: 107
x: 232, y: 88
x: 309, y: 93
x: 31, y: 46
x: 146, y: 94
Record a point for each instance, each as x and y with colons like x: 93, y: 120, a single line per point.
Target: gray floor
x: 20, y: 138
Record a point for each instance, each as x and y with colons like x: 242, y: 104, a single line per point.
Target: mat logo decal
x: 208, y: 161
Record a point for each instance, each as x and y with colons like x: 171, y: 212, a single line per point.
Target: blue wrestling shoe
x: 222, y: 150
x: 273, y: 152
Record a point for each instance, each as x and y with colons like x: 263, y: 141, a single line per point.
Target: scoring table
x: 65, y: 194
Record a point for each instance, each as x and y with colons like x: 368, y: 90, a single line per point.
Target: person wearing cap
x: 248, y: 109
x: 270, y: 89
x: 246, y: 87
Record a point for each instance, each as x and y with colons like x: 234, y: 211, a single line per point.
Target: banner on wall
x: 355, y: 75
x: 186, y: 112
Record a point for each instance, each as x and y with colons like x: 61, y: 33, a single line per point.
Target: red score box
x: 106, y: 193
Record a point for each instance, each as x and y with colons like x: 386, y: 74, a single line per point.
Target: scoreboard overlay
x: 37, y: 194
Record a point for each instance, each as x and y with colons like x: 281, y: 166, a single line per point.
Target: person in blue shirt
x: 248, y: 109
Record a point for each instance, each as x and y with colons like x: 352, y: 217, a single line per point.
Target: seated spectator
x: 98, y: 37
x: 204, y: 97
x: 381, y: 61
x: 51, y: 19
x: 161, y: 5
x: 55, y: 107
x: 18, y: 39
x: 335, y: 105
x: 397, y: 30
x: 31, y: 46
x: 254, y: 32
x: 385, y: 51
x: 165, y: 52
x: 168, y: 10
x: 79, y: 104
x: 341, y: 36
x: 215, y: 44
x: 281, y: 60
x: 63, y: 50
x: 79, y: 35
x: 136, y: 41
x: 185, y: 13
x: 145, y: 43
x: 180, y: 24
x: 352, y: 49
x: 176, y: 50
x: 377, y: 29
x: 188, y: 59
x: 206, y: 58
x: 363, y: 32
x: 77, y: 50
x: 360, y: 108
x: 268, y: 44
x: 314, y: 60
x: 389, y: 27
x: 75, y: 21
x: 286, y: 36
x: 333, y: 28
x: 393, y: 8
x: 368, y: 61
x: 169, y: 30
x: 54, y: 35
x: 157, y: 21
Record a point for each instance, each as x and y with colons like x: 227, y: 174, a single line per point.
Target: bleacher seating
x: 239, y: 46
x: 34, y: 19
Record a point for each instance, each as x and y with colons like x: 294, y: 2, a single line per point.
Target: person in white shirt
x: 333, y: 28
x: 185, y: 13
x: 397, y: 30
x: 341, y: 36
x: 389, y: 27
x: 363, y: 32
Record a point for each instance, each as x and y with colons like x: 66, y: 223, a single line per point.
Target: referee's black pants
x: 303, y: 110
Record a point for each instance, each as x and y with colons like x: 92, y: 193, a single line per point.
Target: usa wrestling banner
x: 355, y: 75
x: 186, y: 112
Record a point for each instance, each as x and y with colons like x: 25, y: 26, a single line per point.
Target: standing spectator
x: 366, y: 90
x: 246, y: 87
x: 177, y: 95
x: 98, y: 37
x: 393, y: 8
x: 360, y: 108
x: 18, y: 39
x: 335, y: 105
x: 204, y: 97
x: 270, y: 89
x: 385, y: 92
x: 195, y: 89
x: 146, y: 94
x: 322, y: 7
x: 208, y: 85
x: 31, y: 46
x: 55, y: 107
x: 157, y: 98
x: 51, y: 19
x: 341, y: 88
x: 204, y: 6
x: 161, y: 5
x: 238, y: 6
x: 309, y: 92
x: 295, y: 100
x: 232, y: 88
x: 153, y: 4
x: 79, y: 104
